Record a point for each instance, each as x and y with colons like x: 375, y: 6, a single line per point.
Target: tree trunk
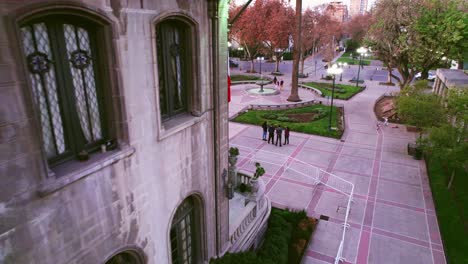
x: 424, y: 74
x: 252, y: 66
x: 294, y: 96
x: 389, y: 78
x: 452, y: 176
x: 301, y: 71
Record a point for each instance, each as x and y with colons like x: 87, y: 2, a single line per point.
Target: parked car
x: 233, y: 64
x: 430, y: 77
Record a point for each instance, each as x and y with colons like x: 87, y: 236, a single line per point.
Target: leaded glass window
x: 61, y: 57
x: 173, y: 49
x: 183, y: 234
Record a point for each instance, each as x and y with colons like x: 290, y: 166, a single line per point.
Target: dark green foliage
x: 285, y: 119
x: 270, y: 116
x: 244, y: 188
x: 352, y: 45
x: 287, y: 56
x: 241, y: 258
x: 318, y: 126
x: 342, y: 91
x: 280, y: 246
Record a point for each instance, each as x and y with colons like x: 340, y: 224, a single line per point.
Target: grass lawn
x: 317, y: 127
x: 235, y: 78
x: 452, y: 211
x: 342, y: 91
x: 350, y: 61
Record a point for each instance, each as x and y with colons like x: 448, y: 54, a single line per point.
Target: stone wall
x: 128, y: 203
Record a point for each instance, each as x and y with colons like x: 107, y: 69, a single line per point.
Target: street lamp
x: 261, y: 77
x: 333, y: 70
x: 361, y: 52
x: 342, y: 65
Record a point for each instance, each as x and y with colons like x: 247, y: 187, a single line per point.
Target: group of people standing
x: 278, y: 83
x: 271, y: 129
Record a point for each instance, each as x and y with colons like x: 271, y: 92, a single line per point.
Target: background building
x: 337, y: 11
x: 113, y: 131
x: 357, y: 7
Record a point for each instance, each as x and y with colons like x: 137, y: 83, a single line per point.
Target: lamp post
x: 277, y: 53
x: 342, y: 65
x: 261, y: 77
x: 333, y: 70
x: 361, y: 52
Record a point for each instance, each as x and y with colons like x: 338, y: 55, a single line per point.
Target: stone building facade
x: 338, y: 11
x: 357, y: 7
x: 113, y: 131
x: 447, y: 79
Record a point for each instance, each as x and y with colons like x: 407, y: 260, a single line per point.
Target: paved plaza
x: 392, y: 217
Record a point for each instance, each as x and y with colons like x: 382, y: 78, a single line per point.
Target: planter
x: 255, y: 185
x: 232, y: 160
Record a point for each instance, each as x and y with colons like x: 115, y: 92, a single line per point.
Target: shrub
x: 287, y: 56
x: 277, y: 238
x: 244, y: 188
x: 270, y: 116
x: 284, y: 119
x: 241, y: 258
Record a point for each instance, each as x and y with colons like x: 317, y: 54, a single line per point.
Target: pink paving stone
x: 439, y: 257
x: 387, y: 250
x: 353, y: 164
x: 363, y: 250
x: 327, y: 237
x: 315, y: 157
x: 362, y: 138
x: 400, y: 193
x: 396, y: 144
x: 434, y: 232
x: 398, y: 158
x: 369, y: 213
x: 322, y: 145
x: 358, y: 152
x: 361, y: 183
x: 311, y: 259
x: 400, y: 221
x: 402, y: 173
x: 298, y: 199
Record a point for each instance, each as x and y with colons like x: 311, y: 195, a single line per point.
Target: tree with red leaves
x: 279, y: 21
x: 314, y: 26
x: 249, y: 30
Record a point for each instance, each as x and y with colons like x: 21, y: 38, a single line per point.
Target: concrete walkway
x: 392, y: 218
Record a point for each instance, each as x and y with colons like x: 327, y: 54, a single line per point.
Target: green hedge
x: 342, y: 91
x: 280, y: 245
x: 287, y: 56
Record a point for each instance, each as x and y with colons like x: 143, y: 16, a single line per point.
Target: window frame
x: 198, y: 239
x: 54, y: 22
x: 107, y: 28
x: 194, y: 112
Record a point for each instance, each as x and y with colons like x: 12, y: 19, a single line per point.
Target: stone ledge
x: 73, y: 171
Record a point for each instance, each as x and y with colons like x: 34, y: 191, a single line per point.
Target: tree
x: 418, y: 108
x: 358, y: 26
x: 441, y: 31
x: 314, y: 26
x: 413, y: 35
x: 249, y: 31
x: 278, y: 27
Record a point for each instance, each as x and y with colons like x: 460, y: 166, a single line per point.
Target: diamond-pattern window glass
x: 181, y: 234
x: 37, y: 48
x: 84, y: 83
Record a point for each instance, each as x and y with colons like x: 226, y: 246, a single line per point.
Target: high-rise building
x: 337, y: 11
x: 114, y: 134
x: 357, y: 7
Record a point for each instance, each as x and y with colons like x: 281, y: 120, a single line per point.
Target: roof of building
x: 453, y: 78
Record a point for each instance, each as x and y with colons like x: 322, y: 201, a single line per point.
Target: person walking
x: 286, y: 136
x: 281, y: 85
x: 275, y: 80
x: 279, y: 131
x: 271, y: 134
x: 265, y: 130
x: 385, y: 121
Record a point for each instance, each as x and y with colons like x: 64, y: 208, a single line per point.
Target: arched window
x: 175, y: 68
x: 62, y: 57
x: 185, y: 243
x: 126, y: 257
